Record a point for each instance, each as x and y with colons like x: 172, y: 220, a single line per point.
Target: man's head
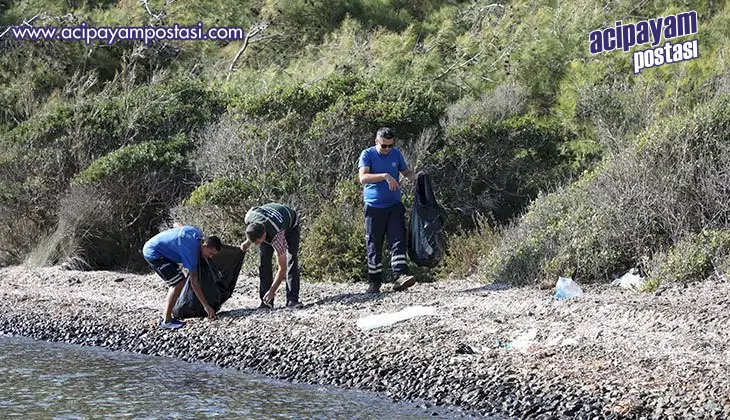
x: 385, y: 140
x: 255, y: 232
x: 210, y: 247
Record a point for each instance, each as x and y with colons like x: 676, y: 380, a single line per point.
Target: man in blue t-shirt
x: 380, y: 167
x: 180, y: 245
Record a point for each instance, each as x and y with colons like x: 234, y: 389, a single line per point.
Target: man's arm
x: 280, y: 273
x: 245, y: 245
x: 199, y: 293
x: 408, y: 173
x: 367, y: 178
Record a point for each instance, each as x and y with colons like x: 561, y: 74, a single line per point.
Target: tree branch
x: 456, y: 66
x: 25, y: 22
x: 257, y: 29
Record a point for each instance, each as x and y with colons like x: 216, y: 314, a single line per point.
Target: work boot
x: 294, y: 305
x: 374, y: 288
x: 403, y: 282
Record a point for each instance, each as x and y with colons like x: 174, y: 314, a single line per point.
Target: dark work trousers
x: 292, y: 270
x: 379, y: 222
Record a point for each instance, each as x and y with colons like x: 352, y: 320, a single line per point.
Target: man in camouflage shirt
x: 275, y: 228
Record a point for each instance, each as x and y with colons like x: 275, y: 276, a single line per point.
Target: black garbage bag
x: 217, y: 278
x: 426, y: 244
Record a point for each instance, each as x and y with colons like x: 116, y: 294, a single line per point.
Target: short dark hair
x: 385, y: 133
x: 254, y: 231
x: 212, y: 241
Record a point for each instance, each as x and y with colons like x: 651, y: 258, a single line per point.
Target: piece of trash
x: 465, y: 349
x: 523, y: 342
x: 566, y: 288
x: 383, y: 320
x: 569, y: 342
x: 631, y: 280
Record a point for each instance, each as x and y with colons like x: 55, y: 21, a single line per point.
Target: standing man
x: 380, y: 167
x: 275, y: 227
x: 180, y: 245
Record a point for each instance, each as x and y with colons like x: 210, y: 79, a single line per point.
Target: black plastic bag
x: 426, y: 244
x: 217, y: 279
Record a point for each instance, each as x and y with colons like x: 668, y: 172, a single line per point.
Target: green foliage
x: 305, y: 101
x: 693, y: 258
x: 670, y: 185
x: 166, y: 156
x: 505, y: 163
x: 100, y: 126
x: 222, y: 191
x: 467, y: 248
x: 408, y: 109
x: 501, y: 102
x: 334, y: 244
x: 114, y: 205
x: 265, y: 186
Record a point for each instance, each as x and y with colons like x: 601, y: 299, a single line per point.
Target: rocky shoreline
x: 611, y: 354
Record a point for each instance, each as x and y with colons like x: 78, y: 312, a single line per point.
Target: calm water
x: 54, y: 380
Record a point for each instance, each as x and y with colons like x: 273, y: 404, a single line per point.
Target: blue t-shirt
x: 180, y: 244
x: 378, y: 194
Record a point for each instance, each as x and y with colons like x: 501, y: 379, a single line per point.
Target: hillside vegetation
x: 547, y: 160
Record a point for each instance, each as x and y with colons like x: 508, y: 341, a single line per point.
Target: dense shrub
x: 672, y: 183
x: 117, y: 203
x: 502, y: 164
x: 466, y: 248
x: 333, y: 246
x: 407, y: 108
x: 694, y: 258
x: 501, y: 102
x: 303, y: 100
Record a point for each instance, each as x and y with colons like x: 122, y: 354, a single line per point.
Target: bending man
x: 180, y: 245
x: 275, y: 227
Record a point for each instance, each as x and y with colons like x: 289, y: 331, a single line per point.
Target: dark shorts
x: 168, y: 270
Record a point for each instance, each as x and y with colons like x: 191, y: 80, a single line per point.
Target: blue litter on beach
x: 174, y: 324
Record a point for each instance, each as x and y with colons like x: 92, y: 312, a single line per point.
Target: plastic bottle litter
x: 631, y: 280
x: 566, y: 288
x: 383, y: 320
x: 523, y: 342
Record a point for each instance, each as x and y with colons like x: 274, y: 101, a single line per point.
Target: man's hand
x: 211, y: 312
x: 410, y: 175
x: 392, y: 183
x: 269, y: 296
x: 244, y: 246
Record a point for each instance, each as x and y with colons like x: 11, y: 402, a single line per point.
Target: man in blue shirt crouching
x: 180, y: 245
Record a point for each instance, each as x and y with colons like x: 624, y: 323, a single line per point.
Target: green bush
x: 408, y: 108
x: 694, y: 258
x: 671, y: 184
x: 501, y: 164
x: 117, y: 203
x: 167, y: 156
x: 303, y: 100
x: 44, y: 128
x: 466, y: 248
x: 92, y: 128
x: 333, y: 246
x: 525, y: 110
